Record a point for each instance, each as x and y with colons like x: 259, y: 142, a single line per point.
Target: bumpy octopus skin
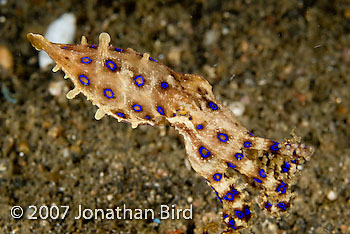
x: 135, y: 88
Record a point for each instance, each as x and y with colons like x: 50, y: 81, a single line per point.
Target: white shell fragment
x: 62, y: 30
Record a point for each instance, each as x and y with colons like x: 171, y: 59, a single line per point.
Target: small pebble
x: 174, y: 56
x: 6, y: 58
x: 56, y: 87
x: 332, y: 195
x: 156, y: 220
x: 210, y: 37
x: 237, y: 108
x: 190, y: 199
x: 109, y: 197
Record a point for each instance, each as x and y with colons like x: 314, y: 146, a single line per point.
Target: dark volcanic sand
x: 287, y: 62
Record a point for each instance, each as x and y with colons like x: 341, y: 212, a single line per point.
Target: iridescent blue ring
x: 257, y: 180
x: 231, y: 165
x: 239, y: 156
x: 152, y: 59
x: 232, y: 222
x: 247, y: 144
x: 84, y: 80
x: 229, y: 197
x: 108, y: 93
x: 199, y: 127
x: 268, y: 205
x: 235, y: 192
x: 119, y: 50
x: 147, y: 117
x: 85, y: 60
x: 239, y: 214
x: 262, y: 173
x: 217, y: 176
x: 246, y: 211
x: 223, y: 137
x: 139, y: 83
x: 281, y: 188
x: 164, y: 85
x: 137, y: 108
x: 111, y: 65
x: 121, y: 115
x: 282, y: 205
x: 217, y: 195
x: 213, y: 106
x: 285, y: 167
x: 207, y: 153
x: 274, y: 147
x: 160, y: 110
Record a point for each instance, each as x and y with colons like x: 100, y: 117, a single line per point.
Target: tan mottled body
x: 219, y: 148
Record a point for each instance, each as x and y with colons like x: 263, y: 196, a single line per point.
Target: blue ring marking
x: 121, y: 115
x: 220, y: 135
x: 232, y: 222
x: 118, y: 49
x: 282, y: 205
x: 225, y: 216
x: 147, y: 117
x: 247, y: 144
x: 85, y: 60
x: 239, y: 214
x: 201, y: 152
x: 268, y: 205
x: 281, y: 188
x: 246, y: 211
x: 218, y: 197
x: 231, y: 165
x: 137, y: 108
x: 217, y: 177
x: 160, y: 110
x: 152, y: 59
x: 139, y: 83
x: 229, y: 196
x: 257, y: 180
x: 164, y: 85
x: 84, y: 82
x: 93, y: 46
x: 285, y: 167
x: 235, y: 192
x: 251, y: 134
x: 111, y: 65
x: 274, y: 147
x: 64, y: 47
x: 262, y: 173
x: 190, y: 118
x: 294, y: 161
x: 239, y: 156
x: 213, y: 106
x: 199, y: 127
x: 174, y: 114
x: 110, y: 92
